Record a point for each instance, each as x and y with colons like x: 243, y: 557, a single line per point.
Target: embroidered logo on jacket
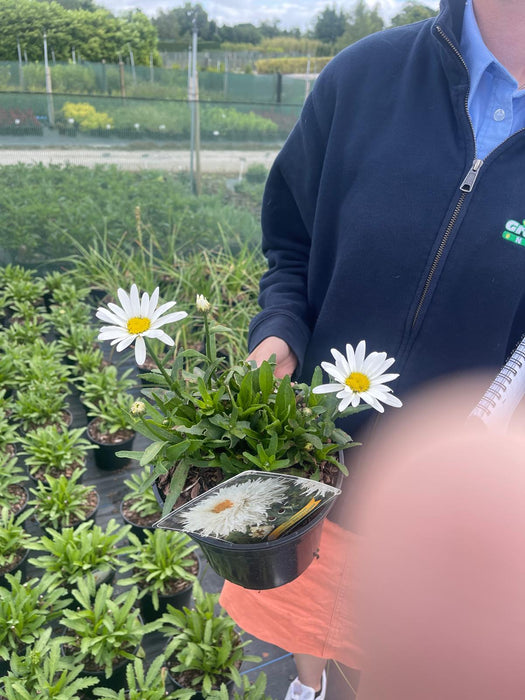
x: 515, y: 232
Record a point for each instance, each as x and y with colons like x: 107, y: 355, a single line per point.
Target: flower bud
x: 138, y: 408
x: 202, y: 304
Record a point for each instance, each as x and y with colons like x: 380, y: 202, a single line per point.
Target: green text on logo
x: 514, y: 232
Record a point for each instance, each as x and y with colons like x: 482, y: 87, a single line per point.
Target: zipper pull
x: 468, y: 183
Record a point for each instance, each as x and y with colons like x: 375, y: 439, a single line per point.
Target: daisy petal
x: 156, y: 333
x: 371, y: 401
x: 125, y: 302
x: 140, y: 350
x: 144, y: 305
x: 134, y: 300
x: 360, y: 354
x: 334, y: 372
x: 391, y: 400
x: 118, y: 311
x: 153, y: 302
x: 124, y: 343
x: 345, y: 403
x: 108, y: 317
x: 384, y: 378
x: 326, y: 388
x: 162, y: 309
x: 340, y: 362
x: 170, y: 318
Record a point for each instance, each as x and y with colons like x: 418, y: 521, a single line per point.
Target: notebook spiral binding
x: 505, y: 392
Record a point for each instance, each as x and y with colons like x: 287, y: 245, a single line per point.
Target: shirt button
x: 499, y: 115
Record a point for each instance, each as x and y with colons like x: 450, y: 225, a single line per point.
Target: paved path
x: 235, y: 161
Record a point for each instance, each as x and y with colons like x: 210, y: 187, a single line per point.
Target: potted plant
x: 250, y: 691
x: 139, y: 506
x: 88, y: 361
x: 13, y: 493
x: 39, y: 404
x: 140, y: 685
x: 205, y: 648
x: 77, y: 337
x: 106, y: 630
x: 98, y: 384
x: 218, y: 421
x: 8, y: 432
x: 111, y: 430
x: 51, y: 451
x: 63, y: 501
x: 14, y: 542
x: 74, y: 552
x: 164, y: 569
x: 208, y: 421
x: 26, y: 609
x: 43, y: 671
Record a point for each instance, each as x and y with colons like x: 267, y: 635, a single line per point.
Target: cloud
x: 288, y: 14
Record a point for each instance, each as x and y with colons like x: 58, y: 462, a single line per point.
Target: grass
x: 47, y: 211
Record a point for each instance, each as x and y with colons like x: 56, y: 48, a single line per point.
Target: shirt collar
x: 475, y: 54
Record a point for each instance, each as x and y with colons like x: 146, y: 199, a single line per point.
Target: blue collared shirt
x: 496, y: 106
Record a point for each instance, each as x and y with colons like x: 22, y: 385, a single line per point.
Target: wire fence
x: 108, y: 101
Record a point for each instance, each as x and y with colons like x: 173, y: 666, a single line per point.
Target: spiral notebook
x: 498, y: 403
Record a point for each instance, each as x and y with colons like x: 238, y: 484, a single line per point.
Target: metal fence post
x: 49, y: 87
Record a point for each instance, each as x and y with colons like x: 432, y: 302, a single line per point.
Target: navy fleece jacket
x: 380, y: 224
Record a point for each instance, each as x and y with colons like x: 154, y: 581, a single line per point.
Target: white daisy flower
x: 234, y: 508
x: 359, y: 377
x: 135, y: 320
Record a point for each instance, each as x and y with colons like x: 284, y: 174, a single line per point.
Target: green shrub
x: 291, y: 65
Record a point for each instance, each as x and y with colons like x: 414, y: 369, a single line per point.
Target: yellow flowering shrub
x: 86, y: 116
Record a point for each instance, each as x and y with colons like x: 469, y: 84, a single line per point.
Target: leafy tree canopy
x: 362, y: 21
x: 330, y: 25
x: 412, y: 12
x: 96, y: 34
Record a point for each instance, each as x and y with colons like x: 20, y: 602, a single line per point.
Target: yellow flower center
x: 358, y: 382
x: 137, y: 325
x: 223, y: 505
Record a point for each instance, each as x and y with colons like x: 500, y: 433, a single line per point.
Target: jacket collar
x: 450, y: 19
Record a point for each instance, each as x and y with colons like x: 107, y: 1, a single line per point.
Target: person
x: 393, y: 213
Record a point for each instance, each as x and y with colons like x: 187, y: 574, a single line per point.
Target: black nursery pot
x: 106, y: 454
x: 264, y: 565
x: 177, y: 600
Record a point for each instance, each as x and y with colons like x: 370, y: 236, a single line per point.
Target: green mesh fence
x: 105, y: 101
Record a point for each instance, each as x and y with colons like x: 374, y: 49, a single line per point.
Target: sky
x: 290, y: 14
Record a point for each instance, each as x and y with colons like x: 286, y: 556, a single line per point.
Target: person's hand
x: 286, y: 361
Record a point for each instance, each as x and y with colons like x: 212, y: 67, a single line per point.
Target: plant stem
x: 211, y: 346
x: 156, y: 360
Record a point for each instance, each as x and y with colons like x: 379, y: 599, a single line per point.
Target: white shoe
x: 298, y: 691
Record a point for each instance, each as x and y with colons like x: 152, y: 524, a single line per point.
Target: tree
x: 245, y: 33
x: 77, y: 4
x: 96, y: 35
x: 412, y: 12
x: 330, y: 25
x: 363, y: 20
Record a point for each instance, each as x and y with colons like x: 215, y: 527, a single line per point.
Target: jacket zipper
x: 466, y: 186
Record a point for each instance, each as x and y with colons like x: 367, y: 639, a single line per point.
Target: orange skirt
x: 312, y: 614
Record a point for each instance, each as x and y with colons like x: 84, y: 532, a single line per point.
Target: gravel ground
x: 235, y: 162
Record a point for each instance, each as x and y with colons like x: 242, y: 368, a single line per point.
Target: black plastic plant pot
x: 265, y: 564
x: 21, y: 565
x: 105, y: 454
x: 197, y: 695
x: 138, y: 530
x: 177, y: 600
x: 4, y: 668
x: 116, y: 681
